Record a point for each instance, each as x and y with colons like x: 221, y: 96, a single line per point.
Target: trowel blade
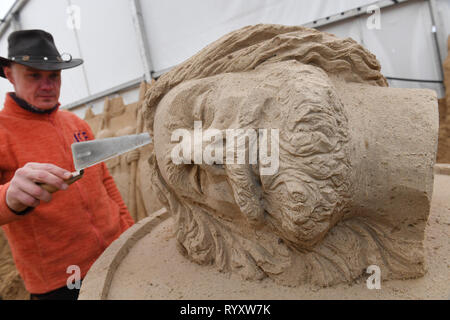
x: 88, y: 153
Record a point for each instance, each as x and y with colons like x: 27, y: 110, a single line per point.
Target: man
x: 50, y: 234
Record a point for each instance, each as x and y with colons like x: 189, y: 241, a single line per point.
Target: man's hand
x: 23, y: 192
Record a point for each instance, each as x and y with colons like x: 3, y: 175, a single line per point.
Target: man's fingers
x: 18, y: 197
x: 27, y: 200
x: 55, y: 170
x: 33, y: 190
x: 23, y: 190
x: 46, y: 177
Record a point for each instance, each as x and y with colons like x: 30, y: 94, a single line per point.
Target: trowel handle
x: 75, y: 176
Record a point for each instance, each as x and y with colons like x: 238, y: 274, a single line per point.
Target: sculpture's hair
x: 246, y: 48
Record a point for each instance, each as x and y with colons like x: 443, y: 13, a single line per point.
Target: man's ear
x: 8, y: 74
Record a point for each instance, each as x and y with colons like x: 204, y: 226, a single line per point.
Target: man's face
x: 37, y: 87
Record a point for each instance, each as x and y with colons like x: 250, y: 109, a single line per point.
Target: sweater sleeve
x: 6, y: 215
x: 114, y: 193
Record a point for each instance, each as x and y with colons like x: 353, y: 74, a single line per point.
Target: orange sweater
x: 79, y: 223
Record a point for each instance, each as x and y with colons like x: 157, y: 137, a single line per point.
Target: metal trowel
x: 89, y: 153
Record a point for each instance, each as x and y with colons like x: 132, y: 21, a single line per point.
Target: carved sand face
x: 304, y: 198
x: 290, y: 226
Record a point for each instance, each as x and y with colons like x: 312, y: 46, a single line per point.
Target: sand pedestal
x: 145, y: 264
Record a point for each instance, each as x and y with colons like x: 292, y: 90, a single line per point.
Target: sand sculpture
x: 11, y: 284
x: 129, y: 170
x: 443, y: 155
x: 355, y: 174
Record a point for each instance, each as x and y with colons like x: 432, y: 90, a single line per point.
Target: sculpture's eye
x: 214, y: 169
x: 199, y: 173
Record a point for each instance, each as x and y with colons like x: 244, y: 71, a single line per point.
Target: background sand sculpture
x: 11, y: 284
x: 131, y: 170
x: 443, y: 155
x: 353, y: 189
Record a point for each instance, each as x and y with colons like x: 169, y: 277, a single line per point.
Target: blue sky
x: 4, y: 7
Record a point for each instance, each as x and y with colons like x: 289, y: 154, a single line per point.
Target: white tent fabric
x: 177, y: 29
x: 443, y: 7
x: 404, y: 44
x: 5, y: 86
x: 106, y: 38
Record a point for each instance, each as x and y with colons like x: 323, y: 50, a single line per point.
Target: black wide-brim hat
x: 36, y: 49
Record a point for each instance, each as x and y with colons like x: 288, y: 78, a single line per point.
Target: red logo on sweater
x: 80, y: 136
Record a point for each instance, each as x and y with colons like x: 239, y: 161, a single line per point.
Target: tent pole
x: 139, y: 27
x: 12, y: 17
x: 438, y: 36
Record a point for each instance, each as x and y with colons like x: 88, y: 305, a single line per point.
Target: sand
x: 443, y: 155
x: 11, y: 284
